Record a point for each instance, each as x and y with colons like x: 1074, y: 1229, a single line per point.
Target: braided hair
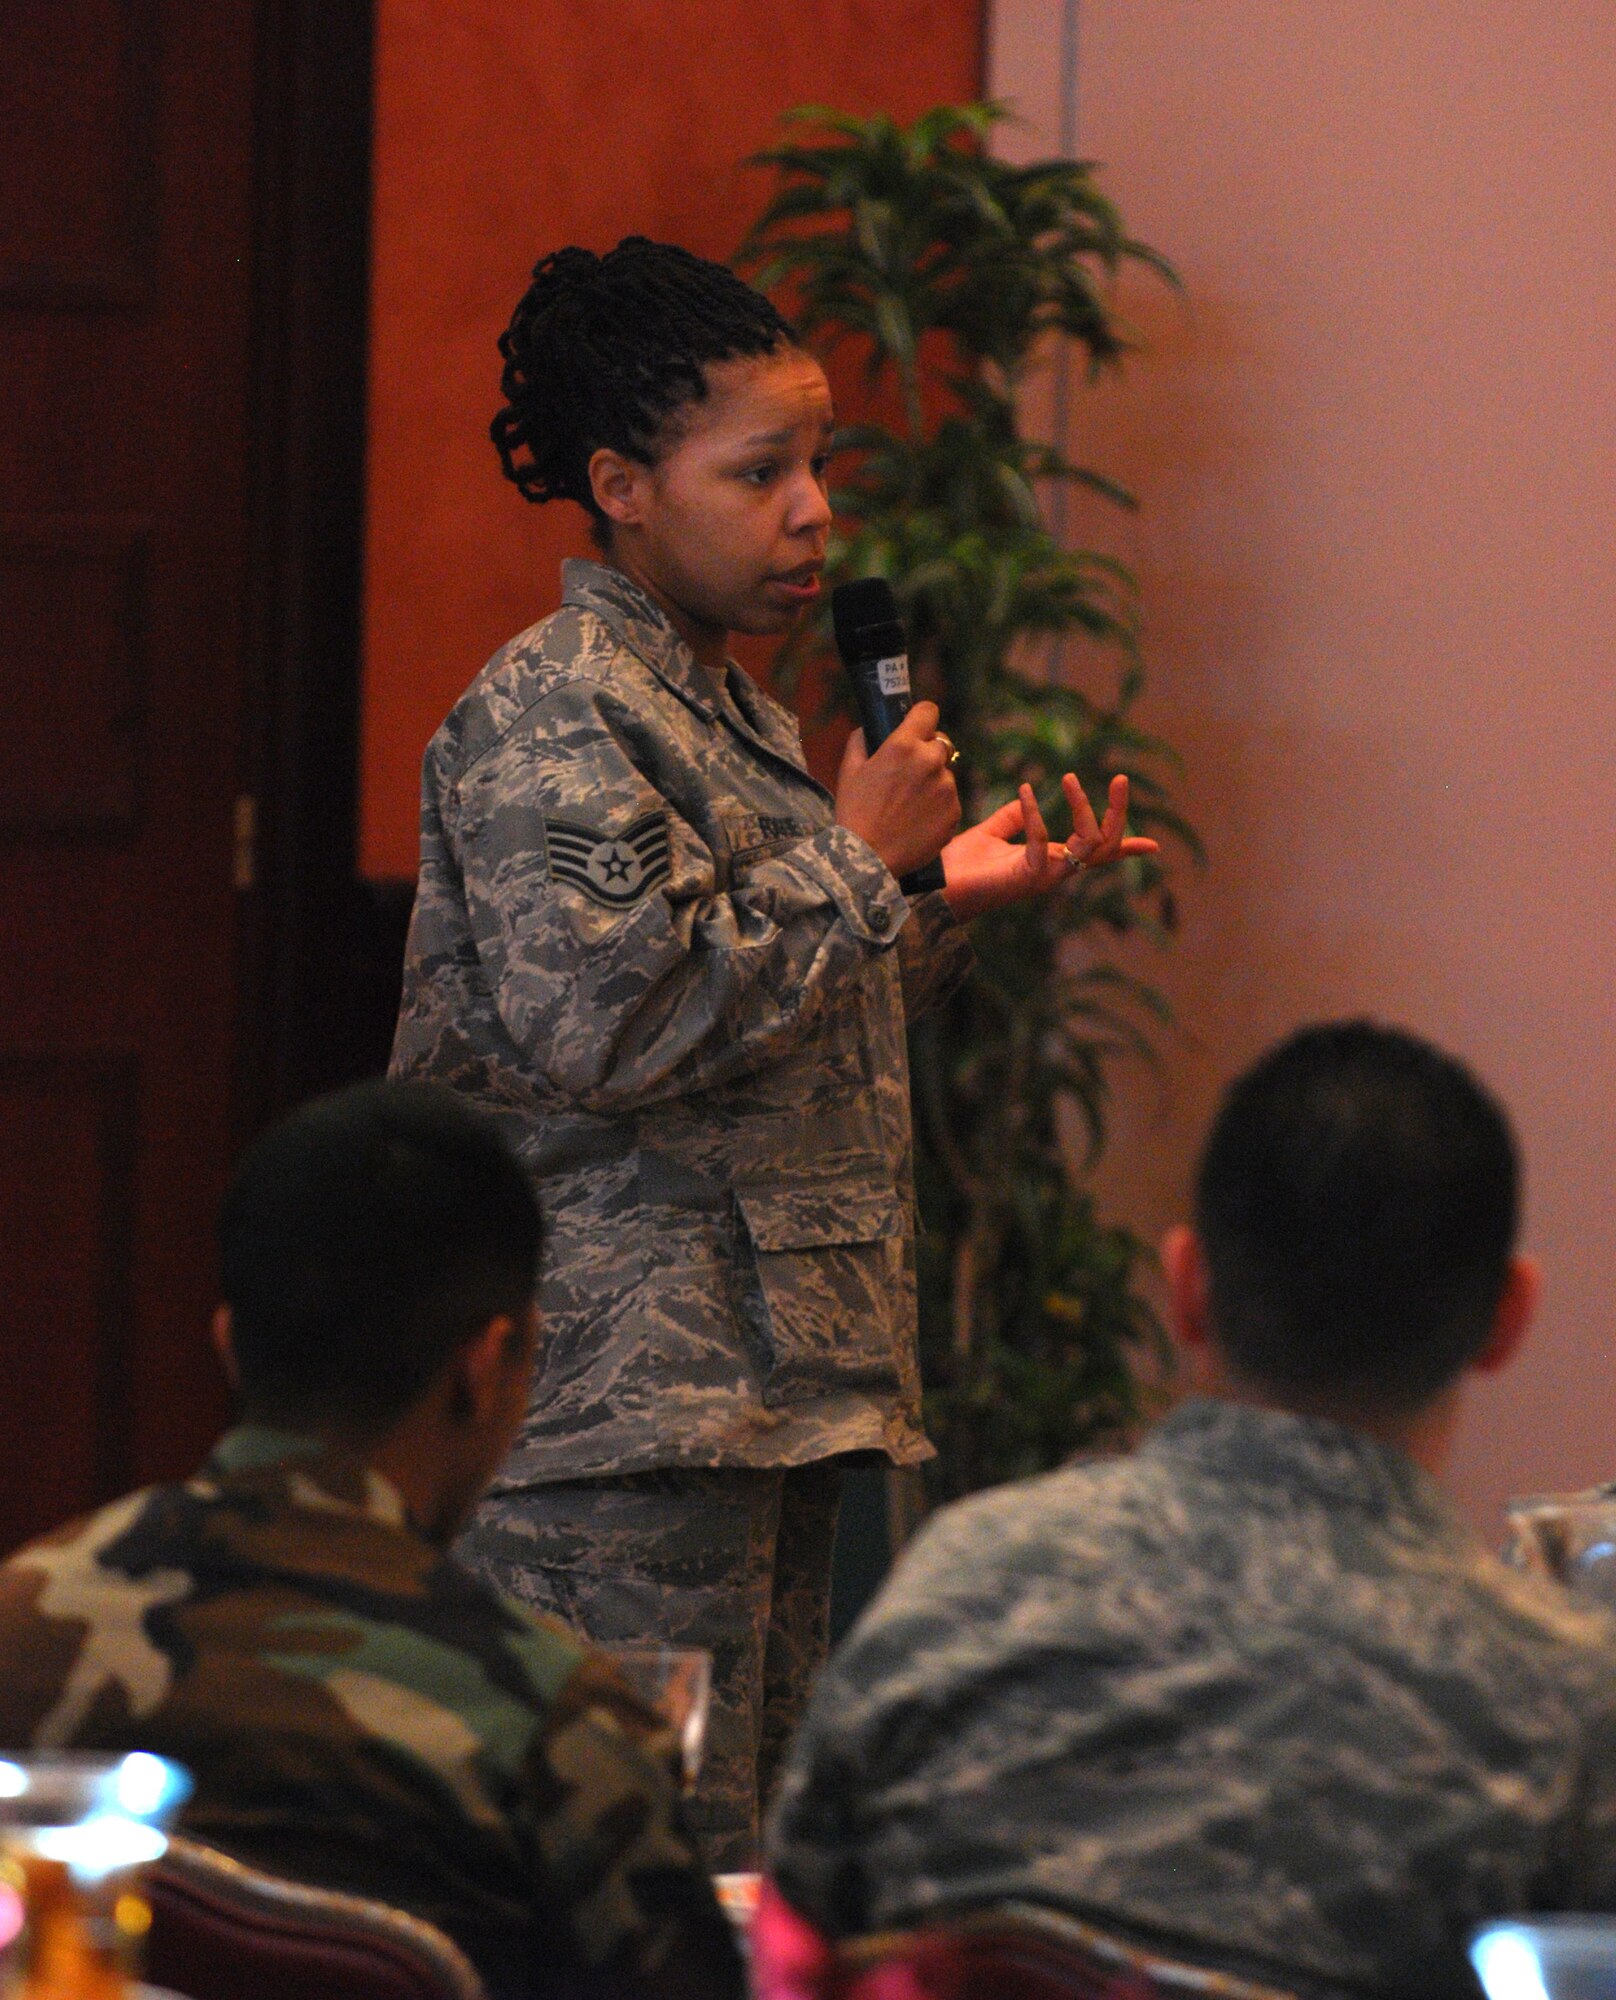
x: 602, y: 351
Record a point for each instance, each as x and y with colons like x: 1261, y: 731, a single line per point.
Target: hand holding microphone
x: 901, y: 796
x: 902, y: 801
x: 894, y: 790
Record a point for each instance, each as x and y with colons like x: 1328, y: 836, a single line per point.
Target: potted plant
x: 959, y: 273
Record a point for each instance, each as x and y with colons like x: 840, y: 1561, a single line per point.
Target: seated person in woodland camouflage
x: 356, y: 1709
x: 1255, y: 1694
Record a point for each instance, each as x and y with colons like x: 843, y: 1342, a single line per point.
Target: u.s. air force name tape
x: 612, y: 868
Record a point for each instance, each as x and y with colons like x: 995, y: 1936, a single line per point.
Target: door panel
x: 74, y: 611
x: 78, y: 106
x: 67, y: 1130
x: 126, y: 217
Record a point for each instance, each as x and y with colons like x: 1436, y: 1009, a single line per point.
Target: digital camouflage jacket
x: 1255, y: 1692
x: 642, y: 944
x: 360, y: 1712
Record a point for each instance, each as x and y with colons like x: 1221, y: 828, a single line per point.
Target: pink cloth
x: 792, y: 1961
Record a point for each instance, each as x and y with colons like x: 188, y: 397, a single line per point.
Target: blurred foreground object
x: 1015, y: 1951
x: 1553, y: 1958
x: 1570, y: 1537
x: 76, y: 1831
x: 224, y: 1931
x: 677, y: 1682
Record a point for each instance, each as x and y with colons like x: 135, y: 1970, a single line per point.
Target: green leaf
x: 952, y: 270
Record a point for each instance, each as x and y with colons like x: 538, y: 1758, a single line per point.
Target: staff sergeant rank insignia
x: 616, y: 869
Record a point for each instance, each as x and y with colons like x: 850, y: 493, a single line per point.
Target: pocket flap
x: 810, y: 1215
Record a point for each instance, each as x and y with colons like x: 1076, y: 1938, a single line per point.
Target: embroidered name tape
x: 616, y: 869
x: 749, y: 831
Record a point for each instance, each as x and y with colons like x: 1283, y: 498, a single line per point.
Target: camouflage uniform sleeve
x: 872, y: 1716
x: 815, y: 1854
x: 616, y: 1853
x: 934, y: 952
x: 1582, y: 1868
x: 660, y: 982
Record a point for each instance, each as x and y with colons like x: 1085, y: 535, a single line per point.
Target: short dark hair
x: 602, y: 351
x: 364, y: 1238
x: 1357, y: 1202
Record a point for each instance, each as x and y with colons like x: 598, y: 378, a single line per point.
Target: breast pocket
x: 822, y: 1280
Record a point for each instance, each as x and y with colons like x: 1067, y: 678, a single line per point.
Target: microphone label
x: 893, y: 674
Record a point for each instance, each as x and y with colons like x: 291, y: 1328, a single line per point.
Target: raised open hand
x: 986, y: 866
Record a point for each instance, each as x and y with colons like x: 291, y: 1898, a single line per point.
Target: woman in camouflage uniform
x: 678, y: 970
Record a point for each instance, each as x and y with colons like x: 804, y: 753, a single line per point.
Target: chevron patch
x: 616, y: 869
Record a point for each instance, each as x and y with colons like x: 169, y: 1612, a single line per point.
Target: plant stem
x: 963, y: 1299
x: 913, y: 409
x: 1029, y: 1308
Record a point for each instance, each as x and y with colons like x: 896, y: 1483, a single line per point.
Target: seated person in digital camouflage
x: 356, y: 1709
x: 1254, y: 1695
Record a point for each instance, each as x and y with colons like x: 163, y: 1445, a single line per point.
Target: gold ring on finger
x: 944, y: 737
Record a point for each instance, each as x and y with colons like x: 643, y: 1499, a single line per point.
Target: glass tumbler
x: 75, y: 1832
x: 1570, y: 1537
x: 1546, y: 1958
x: 675, y: 1681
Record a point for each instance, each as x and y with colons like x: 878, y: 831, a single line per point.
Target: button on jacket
x: 643, y: 944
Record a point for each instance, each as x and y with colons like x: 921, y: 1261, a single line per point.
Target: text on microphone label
x: 893, y: 674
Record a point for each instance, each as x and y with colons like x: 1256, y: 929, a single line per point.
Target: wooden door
x: 126, y: 225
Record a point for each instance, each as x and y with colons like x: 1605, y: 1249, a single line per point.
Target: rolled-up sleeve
x: 934, y: 952
x: 620, y: 968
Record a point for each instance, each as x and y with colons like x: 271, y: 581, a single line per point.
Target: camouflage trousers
x: 737, y: 1561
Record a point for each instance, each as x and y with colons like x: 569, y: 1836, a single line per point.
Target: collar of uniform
x: 763, y: 716
x: 306, y: 1471
x: 642, y: 625
x: 249, y: 1446
x: 1254, y: 1447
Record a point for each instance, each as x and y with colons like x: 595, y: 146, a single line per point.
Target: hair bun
x: 564, y: 273
x: 601, y: 350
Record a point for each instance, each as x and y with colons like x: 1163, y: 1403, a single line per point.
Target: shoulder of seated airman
x: 572, y: 645
x: 568, y: 658
x: 1072, y: 1507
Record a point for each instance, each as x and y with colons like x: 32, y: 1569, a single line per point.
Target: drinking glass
x: 1546, y: 1958
x: 75, y: 1832
x: 1570, y: 1537
x: 677, y: 1682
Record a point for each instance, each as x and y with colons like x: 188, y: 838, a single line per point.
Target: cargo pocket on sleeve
x: 821, y: 1275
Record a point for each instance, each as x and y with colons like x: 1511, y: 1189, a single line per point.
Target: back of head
x: 602, y: 352
x: 1357, y: 1204
x: 363, y: 1238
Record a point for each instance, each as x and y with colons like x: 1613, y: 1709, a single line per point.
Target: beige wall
x: 1378, y: 459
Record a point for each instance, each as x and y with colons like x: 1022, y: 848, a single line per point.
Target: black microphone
x: 870, y: 638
